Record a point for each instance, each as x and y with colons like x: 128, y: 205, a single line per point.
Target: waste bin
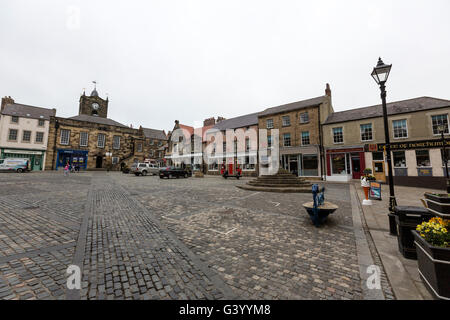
x: 407, y: 219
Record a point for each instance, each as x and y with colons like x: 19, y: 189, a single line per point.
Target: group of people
x: 70, y: 168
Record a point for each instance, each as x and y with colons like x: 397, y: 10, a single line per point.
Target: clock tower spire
x: 93, y: 105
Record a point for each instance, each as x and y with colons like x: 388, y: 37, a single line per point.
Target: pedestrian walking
x: 66, y: 169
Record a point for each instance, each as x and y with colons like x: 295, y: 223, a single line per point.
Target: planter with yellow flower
x: 432, y: 241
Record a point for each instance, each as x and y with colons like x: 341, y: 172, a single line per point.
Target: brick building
x: 91, y: 140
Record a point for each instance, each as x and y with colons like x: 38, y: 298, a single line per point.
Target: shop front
x: 75, y: 158
x: 301, y: 161
x: 36, y: 157
x: 345, y: 164
x: 415, y: 163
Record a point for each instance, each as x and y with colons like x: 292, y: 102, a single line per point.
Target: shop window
x: 399, y: 159
x: 377, y: 156
x: 310, y: 165
x: 101, y: 138
x: 400, y: 129
x: 338, y: 163
x: 423, y: 158
x: 338, y: 136
x: 438, y: 120
x: 39, y: 137
x: 286, y: 120
x: 12, y: 135
x: 366, y: 132
x: 305, y: 138
x: 304, y: 117
x: 287, y: 139
x: 84, y: 136
x: 269, y: 123
x: 213, y: 166
x: 65, y: 137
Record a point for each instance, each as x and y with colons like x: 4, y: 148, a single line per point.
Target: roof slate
x: 398, y: 107
x: 293, y: 106
x: 25, y: 111
x: 154, y: 134
x: 238, y: 122
x: 100, y: 120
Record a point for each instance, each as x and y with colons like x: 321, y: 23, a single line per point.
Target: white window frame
x: 283, y: 122
x: 432, y: 130
x: 393, y: 129
x: 301, y: 118
x: 61, y: 141
x: 361, y: 133
x: 309, y: 138
x: 342, y: 131
x: 81, y: 139
x: 267, y: 124
x: 290, y: 139
x: 99, y: 140
x: 9, y: 134
x: 23, y: 136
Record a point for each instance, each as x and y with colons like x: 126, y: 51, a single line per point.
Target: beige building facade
x: 354, y: 140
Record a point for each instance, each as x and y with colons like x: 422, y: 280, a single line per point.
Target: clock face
x: 95, y: 106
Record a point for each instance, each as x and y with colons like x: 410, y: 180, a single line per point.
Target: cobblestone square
x: 196, y: 238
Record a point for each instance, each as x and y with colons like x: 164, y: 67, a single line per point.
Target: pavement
x: 196, y: 238
x: 402, y: 273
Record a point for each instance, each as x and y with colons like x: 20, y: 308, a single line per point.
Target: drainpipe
x: 322, y: 161
x: 54, y: 144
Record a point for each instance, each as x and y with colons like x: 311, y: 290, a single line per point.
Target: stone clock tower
x: 93, y: 105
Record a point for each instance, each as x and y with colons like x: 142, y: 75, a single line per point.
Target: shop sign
x: 407, y: 145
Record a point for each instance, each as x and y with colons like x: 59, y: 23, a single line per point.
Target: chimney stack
x: 220, y: 119
x: 5, y: 101
x: 328, y: 90
x: 209, y: 122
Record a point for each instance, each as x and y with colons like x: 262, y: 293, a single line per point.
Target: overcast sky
x: 190, y: 60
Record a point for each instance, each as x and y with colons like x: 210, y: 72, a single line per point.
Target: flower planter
x: 438, y: 204
x: 434, y: 267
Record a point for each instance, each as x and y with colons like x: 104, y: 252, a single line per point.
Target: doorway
x: 99, y: 162
x: 378, y: 171
x: 356, y: 167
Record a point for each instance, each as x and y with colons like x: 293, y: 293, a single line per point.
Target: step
x: 307, y: 185
x: 274, y: 189
x: 296, y: 181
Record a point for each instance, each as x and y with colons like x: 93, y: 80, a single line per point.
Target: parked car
x: 14, y: 164
x: 173, y: 172
x: 142, y: 169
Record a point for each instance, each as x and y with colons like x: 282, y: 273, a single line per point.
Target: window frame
x: 361, y: 132
x: 432, y: 126
x: 98, y: 140
x: 29, y: 137
x: 61, y: 137
x: 116, y: 146
x: 309, y: 138
x: 301, y: 118
x: 9, y: 134
x: 36, y: 136
x: 39, y: 123
x: 429, y: 158
x: 15, y: 117
x: 267, y: 124
x: 284, y: 139
x: 283, y: 122
x: 406, y: 126
x: 87, y: 138
x: 342, y: 134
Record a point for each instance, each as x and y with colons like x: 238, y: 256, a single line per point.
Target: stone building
x: 91, y: 140
x: 155, y: 142
x: 230, y: 155
x: 354, y: 140
x: 24, y: 132
x: 300, y: 134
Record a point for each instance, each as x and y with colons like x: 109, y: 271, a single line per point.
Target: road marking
x: 224, y: 233
x: 276, y: 203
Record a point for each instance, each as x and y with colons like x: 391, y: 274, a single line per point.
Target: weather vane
x: 95, y: 84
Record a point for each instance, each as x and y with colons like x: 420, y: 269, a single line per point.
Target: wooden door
x: 378, y: 171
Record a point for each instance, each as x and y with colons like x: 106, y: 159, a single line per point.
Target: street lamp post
x: 442, y: 127
x: 380, y: 74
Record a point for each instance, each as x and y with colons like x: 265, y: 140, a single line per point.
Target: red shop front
x: 345, y: 164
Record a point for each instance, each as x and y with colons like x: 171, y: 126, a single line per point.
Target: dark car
x: 173, y: 172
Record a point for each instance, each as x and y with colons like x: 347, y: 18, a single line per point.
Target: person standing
x: 66, y: 169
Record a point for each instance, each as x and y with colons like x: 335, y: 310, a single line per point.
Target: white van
x: 14, y: 164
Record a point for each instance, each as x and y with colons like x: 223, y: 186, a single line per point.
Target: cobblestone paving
x: 147, y: 238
